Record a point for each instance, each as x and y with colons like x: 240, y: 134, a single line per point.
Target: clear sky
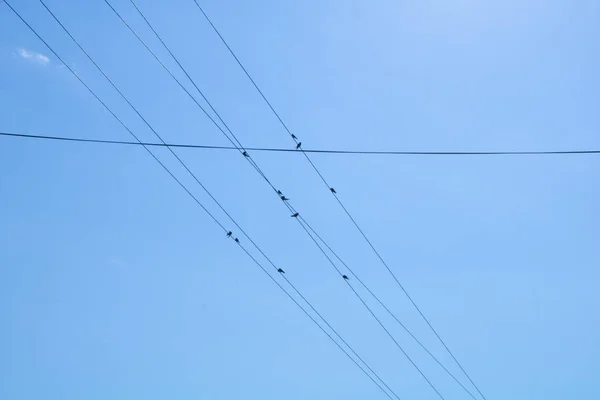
x: 115, y: 285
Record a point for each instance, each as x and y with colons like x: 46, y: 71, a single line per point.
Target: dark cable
x: 302, y: 222
x: 388, y: 310
x: 271, y: 149
x: 314, y: 232
x: 323, y: 329
x: 154, y: 131
x: 243, y: 68
x: 337, y: 198
x: 195, y: 199
x: 114, y: 115
x: 233, y: 141
x: 219, y: 117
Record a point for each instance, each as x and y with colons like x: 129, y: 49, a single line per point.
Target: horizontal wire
x: 284, y: 150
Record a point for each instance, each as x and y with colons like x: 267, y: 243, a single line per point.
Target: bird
x: 237, y: 240
x: 280, y: 271
x: 332, y: 190
x: 279, y: 193
x: 294, y: 136
x: 229, y: 234
x: 284, y: 198
x: 245, y: 154
x: 295, y: 215
x: 298, y: 145
x: 345, y: 277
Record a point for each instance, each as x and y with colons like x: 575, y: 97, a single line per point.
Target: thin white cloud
x: 34, y: 56
x: 117, y: 262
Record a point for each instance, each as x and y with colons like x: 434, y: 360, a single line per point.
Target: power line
x: 287, y: 150
x: 284, y: 150
x: 302, y: 222
x: 333, y: 192
x: 391, y: 313
x: 185, y: 166
x: 314, y: 232
x: 279, y: 194
x: 235, y: 142
x: 212, y: 217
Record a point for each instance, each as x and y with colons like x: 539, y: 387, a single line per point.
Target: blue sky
x: 114, y: 284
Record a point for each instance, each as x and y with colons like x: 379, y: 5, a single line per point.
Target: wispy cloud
x: 117, y: 262
x: 34, y: 56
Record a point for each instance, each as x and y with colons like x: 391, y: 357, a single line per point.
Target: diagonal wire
x: 339, y: 201
x: 177, y: 157
x: 325, y: 331
x: 229, y: 135
x: 200, y: 204
x: 230, y: 132
x: 302, y: 222
x: 390, y: 312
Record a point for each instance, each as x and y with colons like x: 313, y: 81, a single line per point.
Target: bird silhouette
x: 298, y: 145
x: 295, y: 215
x: 280, y: 271
x: 245, y: 154
x: 229, y: 234
x: 345, y: 277
x: 237, y: 240
x: 332, y: 190
x: 279, y: 193
x: 294, y: 136
x: 284, y: 198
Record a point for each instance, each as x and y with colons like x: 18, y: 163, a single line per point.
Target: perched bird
x: 280, y: 271
x: 345, y: 277
x: 229, y: 234
x: 237, y: 240
x: 332, y: 190
x: 298, y: 145
x: 245, y: 154
x: 295, y: 215
x: 294, y: 136
x: 284, y: 198
x: 279, y: 193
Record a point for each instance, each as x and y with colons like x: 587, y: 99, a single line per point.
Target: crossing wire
x: 177, y: 157
x: 330, y: 188
x: 211, y: 215
x: 229, y: 135
x: 294, y: 212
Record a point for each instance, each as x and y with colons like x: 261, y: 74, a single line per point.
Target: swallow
x: 298, y: 145
x: 294, y: 136
x: 237, y: 240
x: 332, y: 190
x: 279, y: 193
x: 295, y: 215
x: 280, y: 271
x: 229, y: 234
x: 245, y: 154
x: 284, y: 198
x: 345, y: 277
